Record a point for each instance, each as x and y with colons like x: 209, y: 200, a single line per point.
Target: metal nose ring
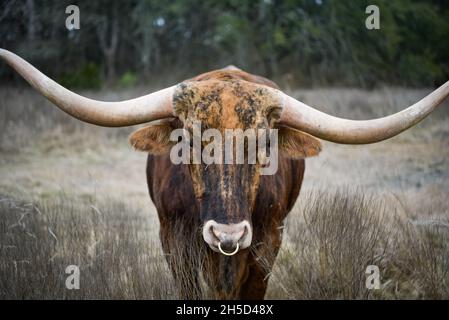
x: 226, y: 253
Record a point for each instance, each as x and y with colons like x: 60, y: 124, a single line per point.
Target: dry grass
x: 329, y: 243
x: 111, y: 246
x: 329, y: 249
x: 339, y: 234
x: 76, y: 194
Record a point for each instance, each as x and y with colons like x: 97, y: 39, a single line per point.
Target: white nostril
x: 215, y: 232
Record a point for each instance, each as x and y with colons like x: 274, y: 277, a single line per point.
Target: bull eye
x: 273, y: 114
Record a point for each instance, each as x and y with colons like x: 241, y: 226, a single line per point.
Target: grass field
x: 75, y: 194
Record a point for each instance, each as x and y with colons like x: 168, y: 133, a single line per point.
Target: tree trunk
x: 108, y: 34
x: 31, y: 28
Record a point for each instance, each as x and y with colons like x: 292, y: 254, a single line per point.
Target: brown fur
x: 189, y: 195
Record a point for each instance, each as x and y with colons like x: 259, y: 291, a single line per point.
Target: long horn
x: 156, y: 105
x: 319, y: 124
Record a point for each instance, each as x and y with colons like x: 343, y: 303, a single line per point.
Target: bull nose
x: 227, y: 238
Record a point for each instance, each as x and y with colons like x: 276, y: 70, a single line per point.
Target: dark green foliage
x: 88, y: 76
x: 310, y: 42
x: 128, y: 79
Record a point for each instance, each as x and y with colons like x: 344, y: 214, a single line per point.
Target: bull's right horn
x: 156, y: 105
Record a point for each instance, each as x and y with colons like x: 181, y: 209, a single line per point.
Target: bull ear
x: 154, y: 139
x: 297, y: 144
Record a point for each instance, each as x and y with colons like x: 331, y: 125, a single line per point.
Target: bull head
x: 226, y: 193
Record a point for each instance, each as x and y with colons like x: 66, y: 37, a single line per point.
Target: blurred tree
x: 308, y: 42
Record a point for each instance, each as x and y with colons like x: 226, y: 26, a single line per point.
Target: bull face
x: 225, y: 190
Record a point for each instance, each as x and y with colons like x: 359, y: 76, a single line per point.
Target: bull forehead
x: 232, y: 104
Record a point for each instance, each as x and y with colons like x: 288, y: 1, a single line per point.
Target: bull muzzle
x: 227, y: 239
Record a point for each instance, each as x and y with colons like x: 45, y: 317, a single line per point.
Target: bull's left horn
x: 298, y: 115
x: 156, y: 105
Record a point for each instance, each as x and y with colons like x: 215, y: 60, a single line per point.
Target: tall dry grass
x: 328, y: 245
x: 116, y: 257
x: 340, y: 234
